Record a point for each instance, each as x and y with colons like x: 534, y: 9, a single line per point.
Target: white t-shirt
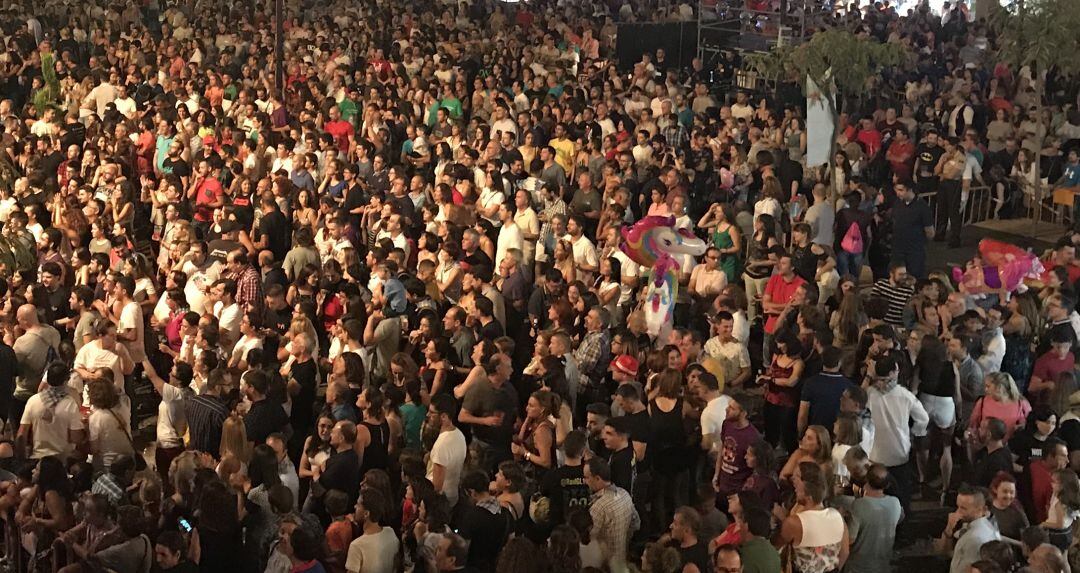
x: 509, y: 238
x: 171, y: 422
x: 107, y: 435
x: 50, y: 426
x: 449, y: 452
x: 713, y: 416
x: 373, y: 553
x: 131, y: 318
x: 92, y: 356
x: 228, y: 318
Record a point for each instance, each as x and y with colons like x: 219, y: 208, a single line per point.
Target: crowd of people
x: 380, y: 320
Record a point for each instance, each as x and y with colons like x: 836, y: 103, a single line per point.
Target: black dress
x: 377, y: 453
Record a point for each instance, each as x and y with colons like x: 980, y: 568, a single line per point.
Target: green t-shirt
x: 759, y: 556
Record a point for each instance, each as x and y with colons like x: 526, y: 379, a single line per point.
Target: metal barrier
x: 978, y: 207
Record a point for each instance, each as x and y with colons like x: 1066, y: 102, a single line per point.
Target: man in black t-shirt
x: 277, y: 314
x: 485, y: 524
x: 274, y: 229
x: 926, y: 159
x: 302, y: 384
x: 565, y: 487
x: 616, y: 436
x: 683, y: 536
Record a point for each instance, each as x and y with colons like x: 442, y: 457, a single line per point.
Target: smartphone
x: 184, y: 524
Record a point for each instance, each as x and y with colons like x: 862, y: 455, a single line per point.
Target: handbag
x: 140, y: 461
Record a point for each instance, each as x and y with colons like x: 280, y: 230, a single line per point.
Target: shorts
x: 942, y: 410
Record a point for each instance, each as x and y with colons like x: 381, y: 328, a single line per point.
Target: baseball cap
x: 626, y: 364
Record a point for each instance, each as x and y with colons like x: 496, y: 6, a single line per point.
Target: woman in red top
x: 782, y: 392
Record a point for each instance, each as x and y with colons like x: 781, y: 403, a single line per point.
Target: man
x: 249, y: 284
x: 757, y: 553
x: 778, y: 295
x: 286, y: 469
x: 706, y: 388
x: 898, y: 289
x: 447, y: 459
x: 596, y: 416
x: 171, y: 423
x: 381, y: 337
x: 206, y: 413
x: 341, y: 472
x: 462, y: 339
x: 968, y: 528
x: 993, y: 339
x: 913, y: 226
x: 1047, y: 558
x: 208, y: 195
x: 491, y: 408
x: 682, y: 534
x: 728, y: 559
x: 452, y: 554
x: 873, y: 529
x: 969, y: 374
x: 1052, y: 363
x: 266, y: 416
x: 565, y: 486
x: 170, y: 554
x: 614, y: 518
x: 33, y: 350
x: 104, y: 352
x: 897, y: 415
x: 1038, y: 491
x: 51, y: 424
x: 821, y: 393
x: 302, y: 381
x: 616, y: 437
x: 585, y: 259
x: 736, y: 437
x: 375, y: 551
x: 995, y: 456
x: 227, y: 312
x: 732, y: 353
x: 593, y: 354
x: 483, y: 524
x: 1059, y: 319
x: 821, y: 216
x: 950, y: 170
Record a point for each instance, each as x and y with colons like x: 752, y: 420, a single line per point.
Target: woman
x: 1064, y: 508
x: 305, y: 213
x: 234, y: 443
x: 534, y: 445
x: 725, y: 236
x: 46, y: 510
x: 669, y: 444
x: 760, y: 260
x: 849, y: 320
x: 608, y: 286
x: 508, y: 484
x: 772, y: 200
x: 1027, y: 443
x: 795, y: 139
x: 564, y: 260
x: 848, y: 432
x: 1003, y: 401
x: 762, y: 481
x: 1010, y: 517
x: 707, y: 280
x: 109, y: 423
x: 448, y: 274
x: 564, y: 550
x: 817, y: 535
x: 815, y: 446
x: 373, y: 431
x: 316, y: 451
x: 1019, y: 327
x: 782, y: 391
x: 528, y: 150
x: 939, y: 392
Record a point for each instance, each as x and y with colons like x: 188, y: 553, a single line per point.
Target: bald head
x: 27, y: 316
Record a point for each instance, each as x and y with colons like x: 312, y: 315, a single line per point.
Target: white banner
x: 819, y: 126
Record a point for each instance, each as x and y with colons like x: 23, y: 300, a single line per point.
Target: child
x: 340, y: 532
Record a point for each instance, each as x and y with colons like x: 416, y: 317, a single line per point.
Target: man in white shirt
x: 993, y: 342
x: 51, y: 424
x: 124, y: 103
x: 707, y: 389
x: 447, y: 457
x: 376, y: 548
x: 227, y: 311
x: 898, y: 415
x: 129, y: 325
x: 733, y: 355
x: 585, y: 258
x: 104, y: 352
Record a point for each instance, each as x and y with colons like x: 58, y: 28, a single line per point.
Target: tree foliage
x: 50, y: 90
x: 838, y: 61
x: 1043, y: 34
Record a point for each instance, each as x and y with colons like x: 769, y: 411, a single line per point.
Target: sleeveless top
x: 669, y: 438
x: 533, y: 470
x: 781, y: 395
x: 377, y: 453
x: 757, y: 251
x: 822, y: 533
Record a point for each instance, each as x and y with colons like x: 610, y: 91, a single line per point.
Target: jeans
x: 849, y: 264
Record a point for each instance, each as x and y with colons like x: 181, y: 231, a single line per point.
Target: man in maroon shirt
x: 901, y: 154
x: 1037, y: 493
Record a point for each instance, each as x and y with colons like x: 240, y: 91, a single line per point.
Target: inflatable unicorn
x: 651, y: 243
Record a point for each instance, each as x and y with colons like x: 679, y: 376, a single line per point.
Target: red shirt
x: 207, y: 193
x: 341, y: 130
x: 780, y: 291
x: 1049, y: 367
x: 870, y: 139
x: 900, y: 158
x: 1041, y: 490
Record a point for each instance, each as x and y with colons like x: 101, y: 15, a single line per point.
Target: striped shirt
x: 206, y: 415
x: 898, y: 297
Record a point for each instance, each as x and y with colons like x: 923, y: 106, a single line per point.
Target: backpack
x: 853, y: 241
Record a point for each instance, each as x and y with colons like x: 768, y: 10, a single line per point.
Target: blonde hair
x: 234, y: 440
x: 1005, y: 384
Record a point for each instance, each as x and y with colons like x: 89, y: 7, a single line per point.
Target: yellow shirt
x: 564, y: 153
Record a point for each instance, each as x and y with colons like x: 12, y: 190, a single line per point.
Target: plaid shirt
x: 614, y: 521
x: 676, y: 136
x: 107, y: 486
x: 249, y: 288
x: 593, y: 355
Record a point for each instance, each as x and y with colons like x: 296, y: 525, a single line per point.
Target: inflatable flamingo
x: 651, y: 242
